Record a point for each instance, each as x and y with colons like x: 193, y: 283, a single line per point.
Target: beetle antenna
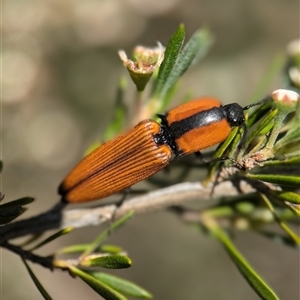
x: 264, y: 100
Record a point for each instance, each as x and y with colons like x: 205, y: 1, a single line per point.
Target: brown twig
x: 45, y: 261
x: 154, y: 201
x: 57, y: 218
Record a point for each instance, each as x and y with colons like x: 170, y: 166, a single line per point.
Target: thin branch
x: 28, y: 255
x: 50, y: 219
x: 154, y: 201
x: 57, y: 218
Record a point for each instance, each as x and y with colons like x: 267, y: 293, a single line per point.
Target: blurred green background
x: 60, y: 70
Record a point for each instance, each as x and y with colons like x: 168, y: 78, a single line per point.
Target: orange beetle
x: 149, y: 147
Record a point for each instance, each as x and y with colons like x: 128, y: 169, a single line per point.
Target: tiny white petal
x: 285, y: 95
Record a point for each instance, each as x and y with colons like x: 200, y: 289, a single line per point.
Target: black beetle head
x: 234, y: 114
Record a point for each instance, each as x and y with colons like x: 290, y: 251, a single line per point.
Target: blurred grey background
x: 60, y: 70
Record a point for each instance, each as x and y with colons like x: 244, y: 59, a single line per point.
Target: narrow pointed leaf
x: 287, y: 161
x: 37, y: 283
x: 288, y: 196
x: 123, y: 286
x: 284, y: 180
x: 112, y: 249
x: 259, y: 113
x: 171, y: 55
x: 53, y: 237
x: 255, y: 281
x: 288, y: 138
x: 200, y: 43
x: 189, y: 52
x: 267, y: 121
x: 31, y: 239
x: 196, y: 47
x: 107, y: 261
x: 100, y: 239
x: 220, y: 151
x: 289, y: 150
x: 79, y: 248
x: 279, y: 220
x: 98, y: 286
x: 230, y: 139
x: 290, y: 232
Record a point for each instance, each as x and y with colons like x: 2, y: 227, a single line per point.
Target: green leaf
x: 267, y: 121
x: 171, y: 55
x: 231, y: 141
x: 287, y: 161
x: 31, y: 239
x: 97, y: 285
x: 284, y: 180
x: 201, y: 41
x: 259, y: 113
x: 279, y: 220
x: 290, y: 232
x: 1, y: 165
x: 53, y: 237
x: 289, y: 150
x: 290, y: 137
x: 100, y: 239
x: 112, y: 249
x: 287, y: 196
x: 255, y: 281
x: 79, y: 248
x: 123, y: 286
x: 37, y: 282
x: 106, y: 261
x: 221, y: 150
x: 195, y: 48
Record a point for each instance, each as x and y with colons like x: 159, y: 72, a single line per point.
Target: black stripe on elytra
x: 203, y: 118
